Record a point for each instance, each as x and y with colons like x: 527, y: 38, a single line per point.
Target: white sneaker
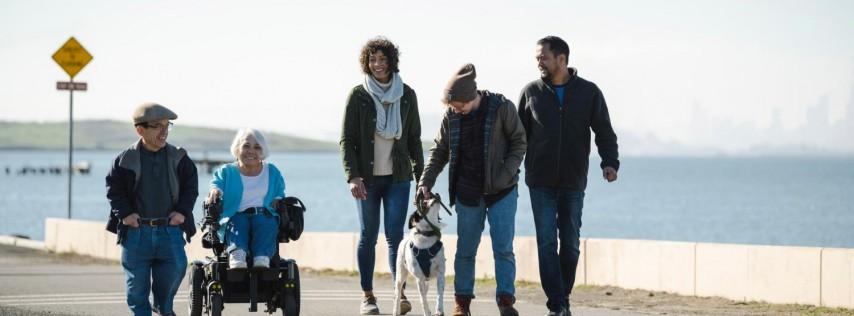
x: 261, y: 262
x: 369, y: 306
x: 237, y: 259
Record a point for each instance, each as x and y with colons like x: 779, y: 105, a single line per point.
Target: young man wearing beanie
x: 483, y: 141
x: 558, y: 112
x: 152, y: 188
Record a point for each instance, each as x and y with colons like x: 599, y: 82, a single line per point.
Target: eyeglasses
x: 157, y: 126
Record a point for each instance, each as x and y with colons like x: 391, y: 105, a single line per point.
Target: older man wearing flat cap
x: 152, y: 188
x: 483, y: 142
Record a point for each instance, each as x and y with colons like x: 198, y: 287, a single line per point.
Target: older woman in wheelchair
x: 246, y: 216
x: 251, y: 190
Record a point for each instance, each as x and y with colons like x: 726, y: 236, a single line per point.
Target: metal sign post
x: 72, y: 57
x: 70, y: 144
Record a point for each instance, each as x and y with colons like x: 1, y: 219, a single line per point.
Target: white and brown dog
x: 421, y: 253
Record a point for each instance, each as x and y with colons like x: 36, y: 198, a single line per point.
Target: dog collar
x: 428, y: 233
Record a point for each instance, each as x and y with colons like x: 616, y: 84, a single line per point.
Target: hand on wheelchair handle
x: 213, y: 195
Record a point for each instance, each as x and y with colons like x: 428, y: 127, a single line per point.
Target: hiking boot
x: 462, y: 306
x: 237, y: 259
x: 369, y: 306
x: 505, y: 305
x: 405, y: 306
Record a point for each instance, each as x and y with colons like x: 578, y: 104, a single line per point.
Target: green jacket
x: 357, y: 138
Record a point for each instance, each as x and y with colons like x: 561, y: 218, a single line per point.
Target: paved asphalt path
x: 38, y: 283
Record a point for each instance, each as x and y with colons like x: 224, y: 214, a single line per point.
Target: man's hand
x: 610, y: 174
x: 176, y: 219
x: 213, y: 195
x: 131, y: 220
x: 357, y: 189
x: 425, y: 191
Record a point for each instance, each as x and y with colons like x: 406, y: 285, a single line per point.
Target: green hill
x: 113, y: 135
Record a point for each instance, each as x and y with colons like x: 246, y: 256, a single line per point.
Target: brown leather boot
x: 505, y: 305
x: 461, y: 306
x: 405, y: 306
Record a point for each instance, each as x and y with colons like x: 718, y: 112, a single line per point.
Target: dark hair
x: 556, y: 45
x: 384, y: 45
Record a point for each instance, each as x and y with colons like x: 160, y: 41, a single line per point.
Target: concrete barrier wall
x: 784, y: 274
x: 802, y: 275
x: 722, y: 270
x: 763, y: 273
x: 837, y: 277
x: 21, y: 242
x: 641, y: 264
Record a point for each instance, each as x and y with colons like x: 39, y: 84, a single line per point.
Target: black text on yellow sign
x: 72, y: 57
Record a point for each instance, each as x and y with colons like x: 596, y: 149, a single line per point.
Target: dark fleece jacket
x: 559, y: 135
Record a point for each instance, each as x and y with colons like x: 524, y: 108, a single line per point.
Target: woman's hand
x: 213, y: 195
x: 357, y: 188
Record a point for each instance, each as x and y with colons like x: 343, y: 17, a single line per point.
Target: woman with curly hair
x: 381, y: 151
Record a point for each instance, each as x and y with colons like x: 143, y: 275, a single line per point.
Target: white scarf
x: 388, y: 123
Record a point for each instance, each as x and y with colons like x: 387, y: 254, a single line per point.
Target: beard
x: 545, y: 73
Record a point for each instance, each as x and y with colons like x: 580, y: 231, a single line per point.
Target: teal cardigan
x: 227, y: 179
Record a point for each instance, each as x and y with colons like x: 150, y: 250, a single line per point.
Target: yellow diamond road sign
x: 72, y: 57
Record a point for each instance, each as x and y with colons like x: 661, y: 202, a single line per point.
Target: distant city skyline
x: 707, y: 76
x: 820, y: 130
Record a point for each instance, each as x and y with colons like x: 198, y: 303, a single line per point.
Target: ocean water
x: 757, y: 200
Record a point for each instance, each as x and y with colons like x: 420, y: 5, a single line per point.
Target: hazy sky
x: 288, y: 66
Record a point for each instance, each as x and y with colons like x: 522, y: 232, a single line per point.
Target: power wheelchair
x: 212, y: 283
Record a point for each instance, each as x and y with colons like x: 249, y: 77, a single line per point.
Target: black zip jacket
x: 124, y: 177
x: 559, y: 136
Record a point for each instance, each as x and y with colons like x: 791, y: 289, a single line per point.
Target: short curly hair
x: 384, y: 45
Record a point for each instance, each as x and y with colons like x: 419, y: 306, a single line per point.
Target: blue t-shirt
x: 561, y: 93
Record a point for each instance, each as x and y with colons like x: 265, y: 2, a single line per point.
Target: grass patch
x: 806, y: 310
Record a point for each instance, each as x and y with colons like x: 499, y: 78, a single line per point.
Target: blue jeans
x: 557, y: 216
x: 502, y: 229
x: 154, y: 262
x: 254, y: 233
x: 395, y: 199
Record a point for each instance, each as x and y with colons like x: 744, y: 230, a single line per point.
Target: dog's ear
x: 414, y: 218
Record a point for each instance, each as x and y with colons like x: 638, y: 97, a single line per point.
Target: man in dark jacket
x: 152, y: 188
x: 558, y: 112
x: 483, y: 142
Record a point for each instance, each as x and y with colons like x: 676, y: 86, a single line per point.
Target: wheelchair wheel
x: 196, y: 280
x: 215, y: 305
x: 291, y: 295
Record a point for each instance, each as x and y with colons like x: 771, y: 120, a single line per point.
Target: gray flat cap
x: 149, y: 112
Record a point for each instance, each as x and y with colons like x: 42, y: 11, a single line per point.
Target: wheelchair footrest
x: 240, y: 275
